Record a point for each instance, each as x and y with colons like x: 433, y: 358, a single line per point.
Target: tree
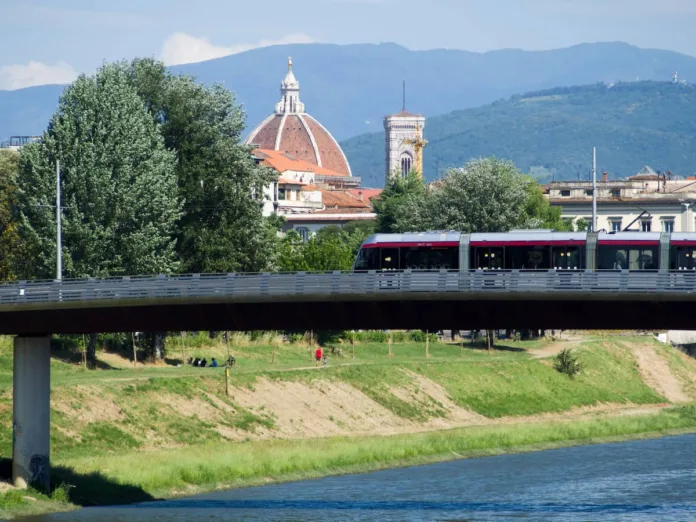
x: 582, y: 225
x: 118, y: 186
x: 399, y: 197
x: 486, y: 195
x: 318, y: 254
x: 352, y: 234
x: 222, y: 228
x: 12, y: 249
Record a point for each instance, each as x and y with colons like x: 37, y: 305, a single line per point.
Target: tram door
x: 568, y: 258
x: 489, y: 258
x: 683, y: 258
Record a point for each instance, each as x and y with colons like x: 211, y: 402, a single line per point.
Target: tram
x: 528, y: 250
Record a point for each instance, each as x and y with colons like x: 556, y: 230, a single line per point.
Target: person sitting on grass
x: 196, y: 361
x: 213, y: 363
x: 203, y: 363
x: 231, y: 361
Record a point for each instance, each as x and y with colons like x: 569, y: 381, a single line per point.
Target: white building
x: 310, y: 197
x: 17, y: 142
x: 648, y: 202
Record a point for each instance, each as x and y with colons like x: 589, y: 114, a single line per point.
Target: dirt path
x: 657, y: 374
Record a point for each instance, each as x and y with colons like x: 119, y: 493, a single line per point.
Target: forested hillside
x: 553, y: 131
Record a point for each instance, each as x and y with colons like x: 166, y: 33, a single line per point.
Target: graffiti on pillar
x: 39, y: 470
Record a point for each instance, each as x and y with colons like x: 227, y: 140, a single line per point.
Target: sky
x: 51, y: 41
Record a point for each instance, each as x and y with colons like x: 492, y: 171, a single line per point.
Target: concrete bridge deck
x: 344, y: 300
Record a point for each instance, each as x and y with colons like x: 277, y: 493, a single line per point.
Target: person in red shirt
x: 318, y: 355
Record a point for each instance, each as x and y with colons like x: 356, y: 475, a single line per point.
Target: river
x: 641, y: 480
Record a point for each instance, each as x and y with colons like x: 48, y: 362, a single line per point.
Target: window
x: 389, y: 258
x: 588, y: 192
x: 429, y: 258
x: 682, y: 258
x: 368, y: 259
x: 303, y: 232
x: 405, y: 165
x: 646, y: 225
x: 568, y: 258
x: 615, y: 193
x: 623, y: 258
x: 565, y: 193
x: 668, y: 225
x: 281, y: 194
x: 528, y: 257
x: 615, y: 225
x: 488, y: 258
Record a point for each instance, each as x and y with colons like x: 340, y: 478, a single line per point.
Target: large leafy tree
x: 318, y: 254
x: 118, y: 185
x: 486, y: 195
x: 222, y: 228
x: 395, y: 203
x: 12, y: 249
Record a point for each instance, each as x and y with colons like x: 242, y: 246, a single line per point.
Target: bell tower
x: 404, y: 142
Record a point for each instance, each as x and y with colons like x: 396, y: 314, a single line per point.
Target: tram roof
x: 415, y: 237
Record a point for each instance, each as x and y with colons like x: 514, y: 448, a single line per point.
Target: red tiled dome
x: 293, y: 131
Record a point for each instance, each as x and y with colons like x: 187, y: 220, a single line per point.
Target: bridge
x: 33, y: 310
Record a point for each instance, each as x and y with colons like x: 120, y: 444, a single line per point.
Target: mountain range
x: 550, y: 133
x: 350, y: 88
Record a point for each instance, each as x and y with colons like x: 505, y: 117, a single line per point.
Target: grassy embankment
x: 127, y: 434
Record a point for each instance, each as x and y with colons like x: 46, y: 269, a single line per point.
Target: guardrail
x: 265, y: 285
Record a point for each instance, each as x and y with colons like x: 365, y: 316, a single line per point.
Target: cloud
x: 180, y: 48
x: 35, y: 73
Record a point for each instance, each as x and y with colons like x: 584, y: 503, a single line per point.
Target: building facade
x: 309, y: 197
x: 404, y: 143
x: 17, y: 142
x: 647, y: 202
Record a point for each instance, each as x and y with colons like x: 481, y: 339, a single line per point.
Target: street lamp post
x: 59, y: 251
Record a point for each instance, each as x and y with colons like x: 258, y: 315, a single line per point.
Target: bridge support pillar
x: 31, y: 425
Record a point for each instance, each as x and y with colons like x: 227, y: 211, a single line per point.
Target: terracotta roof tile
x: 342, y: 199
x: 367, y: 193
x: 283, y: 162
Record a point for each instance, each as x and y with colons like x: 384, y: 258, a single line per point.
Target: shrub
x: 296, y: 338
x: 417, y: 336
x: 325, y: 337
x: 376, y: 336
x: 567, y: 363
x: 399, y: 337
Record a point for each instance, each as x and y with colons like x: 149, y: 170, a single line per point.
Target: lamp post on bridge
x: 59, y: 246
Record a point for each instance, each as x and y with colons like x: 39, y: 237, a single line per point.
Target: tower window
x: 405, y: 165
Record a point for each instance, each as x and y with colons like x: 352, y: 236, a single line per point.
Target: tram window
x: 368, y: 259
x: 430, y: 258
x: 683, y: 258
x: 389, y: 258
x: 626, y: 258
x: 488, y: 258
x: 568, y: 258
x: 528, y: 258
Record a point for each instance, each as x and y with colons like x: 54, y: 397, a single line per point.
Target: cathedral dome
x: 291, y: 130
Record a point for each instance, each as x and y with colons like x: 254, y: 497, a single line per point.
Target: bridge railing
x: 268, y: 285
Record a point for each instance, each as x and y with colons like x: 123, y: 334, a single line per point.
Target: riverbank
x: 288, y: 419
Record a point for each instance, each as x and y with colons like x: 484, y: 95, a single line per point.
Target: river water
x: 642, y: 480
